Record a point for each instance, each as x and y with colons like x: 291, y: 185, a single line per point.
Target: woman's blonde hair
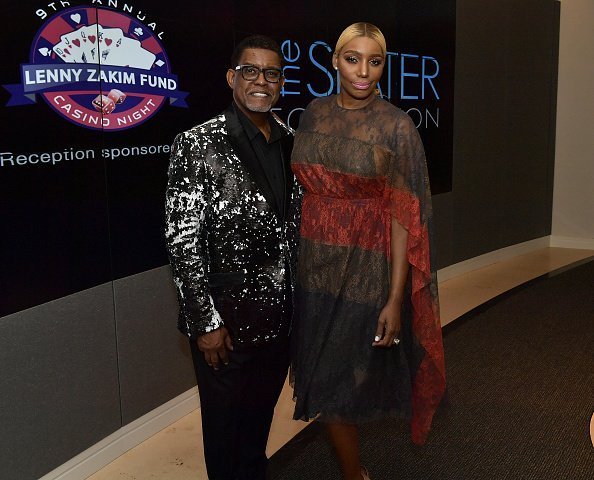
x: 360, y: 29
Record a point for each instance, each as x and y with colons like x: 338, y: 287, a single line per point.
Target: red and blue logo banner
x: 98, y: 68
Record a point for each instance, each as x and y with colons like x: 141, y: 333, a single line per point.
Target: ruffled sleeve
x: 408, y: 198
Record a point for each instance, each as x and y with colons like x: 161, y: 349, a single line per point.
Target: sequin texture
x: 229, y: 249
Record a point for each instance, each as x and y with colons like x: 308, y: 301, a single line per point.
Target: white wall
x: 573, y: 197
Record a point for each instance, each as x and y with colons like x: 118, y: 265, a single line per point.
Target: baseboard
x: 570, y: 242
x: 107, y: 450
x: 489, y: 258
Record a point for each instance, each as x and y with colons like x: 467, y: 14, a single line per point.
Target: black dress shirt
x: 269, y: 155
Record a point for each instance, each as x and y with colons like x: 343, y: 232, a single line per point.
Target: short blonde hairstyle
x: 361, y: 29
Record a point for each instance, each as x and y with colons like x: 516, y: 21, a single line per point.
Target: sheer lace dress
x: 359, y: 168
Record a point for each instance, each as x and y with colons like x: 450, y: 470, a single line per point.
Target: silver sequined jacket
x: 229, y: 246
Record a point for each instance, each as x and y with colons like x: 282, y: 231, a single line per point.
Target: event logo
x: 98, y: 68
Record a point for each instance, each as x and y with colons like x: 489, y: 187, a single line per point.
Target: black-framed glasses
x: 251, y: 73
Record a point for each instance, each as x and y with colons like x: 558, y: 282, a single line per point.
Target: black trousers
x: 237, y: 404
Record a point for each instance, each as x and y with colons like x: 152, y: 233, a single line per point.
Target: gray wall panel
x: 505, y: 88
x: 442, y: 219
x: 554, y: 86
x: 154, y: 357
x: 528, y: 74
x: 478, y: 127
x: 59, y: 382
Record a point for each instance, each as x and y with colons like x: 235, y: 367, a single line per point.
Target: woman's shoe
x: 365, y: 473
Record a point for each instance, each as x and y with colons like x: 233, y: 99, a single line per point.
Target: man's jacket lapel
x: 244, y: 151
x: 286, y: 149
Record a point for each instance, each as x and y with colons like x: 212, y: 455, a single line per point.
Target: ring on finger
x: 396, y: 341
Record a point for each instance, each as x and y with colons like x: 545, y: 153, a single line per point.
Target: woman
x: 368, y: 339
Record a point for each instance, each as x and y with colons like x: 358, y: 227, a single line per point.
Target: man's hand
x: 214, y: 345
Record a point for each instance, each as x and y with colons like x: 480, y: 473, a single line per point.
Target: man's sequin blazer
x: 229, y: 245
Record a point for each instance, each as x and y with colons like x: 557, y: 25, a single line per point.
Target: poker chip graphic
x: 98, y: 68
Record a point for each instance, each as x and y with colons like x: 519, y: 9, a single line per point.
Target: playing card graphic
x: 127, y: 52
x: 71, y: 44
x: 108, y: 38
x: 79, y: 46
x: 107, y: 46
x: 90, y: 42
x: 66, y: 51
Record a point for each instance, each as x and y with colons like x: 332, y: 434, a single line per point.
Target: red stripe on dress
x: 334, y: 221
x: 317, y: 178
x: 429, y: 385
x: 345, y: 210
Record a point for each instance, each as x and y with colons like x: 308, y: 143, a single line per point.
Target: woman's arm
x: 388, y: 324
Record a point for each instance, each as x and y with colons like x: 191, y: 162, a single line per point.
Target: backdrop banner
x: 94, y: 92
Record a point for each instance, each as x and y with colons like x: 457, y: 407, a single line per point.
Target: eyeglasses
x: 251, y: 72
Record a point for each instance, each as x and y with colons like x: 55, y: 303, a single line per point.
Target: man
x: 232, y: 232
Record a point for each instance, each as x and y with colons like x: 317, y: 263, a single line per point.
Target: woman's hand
x: 388, y: 322
x: 388, y: 325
